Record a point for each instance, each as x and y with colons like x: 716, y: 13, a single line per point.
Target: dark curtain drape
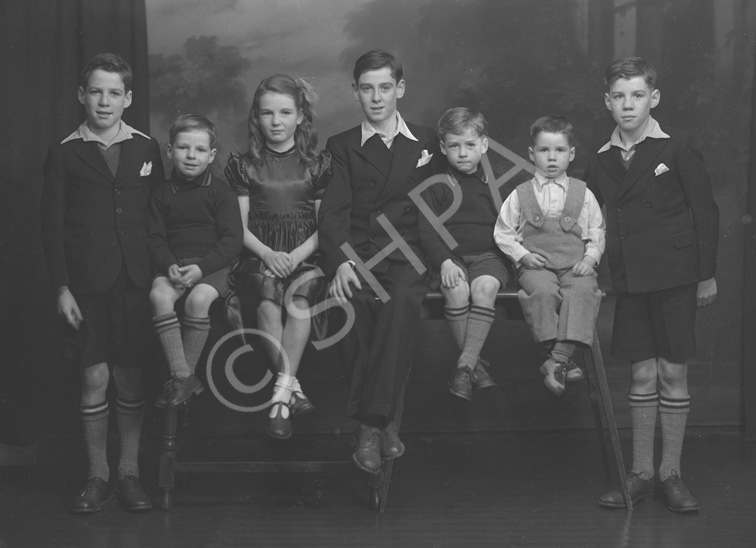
x: 44, y: 45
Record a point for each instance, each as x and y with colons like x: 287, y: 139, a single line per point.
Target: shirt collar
x: 454, y: 175
x: 652, y: 130
x: 542, y: 181
x: 125, y: 132
x: 401, y: 127
x: 177, y: 182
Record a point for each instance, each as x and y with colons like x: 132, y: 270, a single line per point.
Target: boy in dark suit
x: 369, y: 238
x: 94, y: 221
x: 662, y: 231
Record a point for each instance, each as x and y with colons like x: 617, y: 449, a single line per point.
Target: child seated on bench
x: 475, y: 269
x: 552, y: 228
x: 195, y: 234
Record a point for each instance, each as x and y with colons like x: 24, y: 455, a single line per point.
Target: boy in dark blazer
x: 97, y: 185
x: 369, y: 239
x: 662, y: 232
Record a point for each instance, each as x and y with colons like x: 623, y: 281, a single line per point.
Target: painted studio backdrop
x: 514, y: 60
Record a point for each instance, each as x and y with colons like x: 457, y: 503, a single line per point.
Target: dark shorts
x: 218, y: 279
x: 475, y: 266
x: 660, y: 324
x: 116, y: 327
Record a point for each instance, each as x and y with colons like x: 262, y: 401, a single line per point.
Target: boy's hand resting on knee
x: 533, y: 261
x: 339, y: 287
x: 706, y: 293
x: 190, y: 275
x: 174, y: 276
x: 68, y: 308
x: 451, y: 274
x: 584, y: 267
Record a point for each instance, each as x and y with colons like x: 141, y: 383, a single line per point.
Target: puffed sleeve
x: 320, y: 172
x: 236, y: 174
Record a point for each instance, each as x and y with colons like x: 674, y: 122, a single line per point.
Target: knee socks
x: 674, y: 415
x: 457, y: 318
x: 95, y: 422
x: 478, y: 325
x: 168, y: 331
x: 643, y: 408
x: 129, y: 415
x: 196, y: 331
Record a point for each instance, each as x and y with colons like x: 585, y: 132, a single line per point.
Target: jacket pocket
x: 684, y: 239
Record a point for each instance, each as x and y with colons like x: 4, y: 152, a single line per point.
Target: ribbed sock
x: 168, y: 331
x: 674, y: 416
x: 478, y: 325
x: 95, y: 421
x: 196, y: 331
x: 457, y: 318
x: 563, y: 351
x: 643, y: 408
x: 129, y: 415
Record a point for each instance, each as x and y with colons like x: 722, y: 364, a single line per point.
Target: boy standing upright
x: 368, y: 233
x: 94, y: 220
x: 662, y: 231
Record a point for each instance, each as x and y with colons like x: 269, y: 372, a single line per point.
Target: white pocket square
x: 146, y: 169
x: 661, y: 168
x: 425, y: 157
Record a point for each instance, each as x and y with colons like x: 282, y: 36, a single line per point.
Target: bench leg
x: 597, y: 364
x: 167, y: 458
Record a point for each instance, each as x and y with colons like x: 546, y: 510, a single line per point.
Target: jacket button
x: 648, y: 203
x: 536, y: 217
x: 119, y: 210
x: 566, y: 219
x: 117, y: 191
x: 623, y: 236
x: 619, y: 210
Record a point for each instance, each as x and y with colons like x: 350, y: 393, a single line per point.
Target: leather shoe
x: 177, y: 390
x: 132, y: 495
x: 553, y: 376
x: 300, y: 405
x: 367, y: 455
x: 461, y: 383
x: 676, y: 496
x: 391, y: 446
x: 640, y: 490
x: 94, y: 496
x: 279, y: 421
x: 482, y: 379
x: 572, y: 373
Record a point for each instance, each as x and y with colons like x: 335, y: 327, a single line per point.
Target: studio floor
x: 476, y: 489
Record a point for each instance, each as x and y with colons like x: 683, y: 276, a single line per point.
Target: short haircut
x: 630, y: 67
x: 109, y: 62
x: 552, y: 124
x: 187, y: 123
x: 375, y: 60
x: 458, y: 119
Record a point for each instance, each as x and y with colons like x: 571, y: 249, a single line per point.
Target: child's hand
x: 706, y: 292
x: 190, y: 275
x: 268, y: 273
x: 68, y: 308
x: 279, y: 263
x: 451, y: 274
x: 533, y: 261
x: 174, y: 275
x: 584, y: 267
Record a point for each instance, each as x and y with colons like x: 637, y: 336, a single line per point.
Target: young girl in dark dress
x: 279, y: 182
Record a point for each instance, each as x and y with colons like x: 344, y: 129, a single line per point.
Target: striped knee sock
x: 196, y: 331
x: 129, y: 414
x: 457, y: 318
x: 478, y: 325
x: 643, y: 408
x: 95, y: 421
x: 168, y: 331
x: 674, y: 416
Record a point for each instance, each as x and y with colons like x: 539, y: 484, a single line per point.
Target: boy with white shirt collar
x: 552, y: 228
x: 662, y: 226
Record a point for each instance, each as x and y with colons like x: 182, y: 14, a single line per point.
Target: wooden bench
x: 379, y: 484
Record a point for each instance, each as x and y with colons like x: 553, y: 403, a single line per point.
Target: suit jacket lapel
x: 91, y: 155
x: 406, y: 154
x: 380, y: 159
x: 645, y: 156
x: 132, y: 154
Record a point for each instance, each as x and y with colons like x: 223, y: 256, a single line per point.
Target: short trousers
x: 656, y: 324
x: 485, y: 264
x: 117, y: 326
x: 217, y: 280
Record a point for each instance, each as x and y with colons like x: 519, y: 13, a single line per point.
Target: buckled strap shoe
x: 180, y: 389
x: 132, y: 495
x: 676, y: 496
x: 482, y: 378
x: 279, y: 421
x: 553, y: 376
x: 300, y: 404
x: 461, y: 383
x: 92, y: 498
x: 367, y: 454
x: 391, y: 446
x: 640, y: 490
